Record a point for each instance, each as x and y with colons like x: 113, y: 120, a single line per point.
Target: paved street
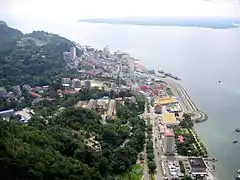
x: 145, y: 170
x: 157, y: 147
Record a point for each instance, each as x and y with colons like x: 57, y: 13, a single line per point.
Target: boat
x: 161, y: 71
x: 237, y: 175
x: 237, y: 130
x: 172, y: 76
x: 235, y: 141
x: 219, y: 81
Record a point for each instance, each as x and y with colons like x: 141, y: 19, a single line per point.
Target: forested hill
x: 7, y: 36
x: 72, y: 145
x: 34, y: 58
x: 7, y: 32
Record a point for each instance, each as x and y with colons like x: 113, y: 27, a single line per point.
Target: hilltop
x: 34, y: 58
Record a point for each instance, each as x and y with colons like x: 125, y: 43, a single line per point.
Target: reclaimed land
x: 187, y: 104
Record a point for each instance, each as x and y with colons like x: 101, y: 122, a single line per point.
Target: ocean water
x: 200, y: 57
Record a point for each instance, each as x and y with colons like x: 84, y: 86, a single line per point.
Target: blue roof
x: 6, y: 111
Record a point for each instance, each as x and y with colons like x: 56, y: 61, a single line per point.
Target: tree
x: 150, y: 156
x: 152, y: 166
x: 186, y: 122
x: 183, y: 150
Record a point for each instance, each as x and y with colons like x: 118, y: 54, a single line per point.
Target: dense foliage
x: 57, y: 147
x: 34, y: 58
x: 149, y: 148
x: 192, y: 145
x: 7, y: 36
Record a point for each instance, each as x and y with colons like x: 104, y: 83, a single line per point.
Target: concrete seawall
x: 187, y: 104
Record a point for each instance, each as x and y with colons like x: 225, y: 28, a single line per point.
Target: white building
x: 66, y: 81
x: 73, y: 52
x: 169, y: 142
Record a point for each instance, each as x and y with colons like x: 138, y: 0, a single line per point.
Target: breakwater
x: 186, y: 102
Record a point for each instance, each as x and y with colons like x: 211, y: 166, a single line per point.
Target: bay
x: 200, y: 57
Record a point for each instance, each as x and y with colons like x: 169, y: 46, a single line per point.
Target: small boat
x: 160, y: 71
x: 237, y: 130
x: 235, y: 141
x: 237, y: 175
x: 220, y: 82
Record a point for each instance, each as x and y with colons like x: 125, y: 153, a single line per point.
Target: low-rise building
x: 111, y: 109
x: 198, y: 167
x: 168, y: 119
x: 91, y: 103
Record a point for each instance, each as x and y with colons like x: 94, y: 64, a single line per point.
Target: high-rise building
x: 73, y: 52
x: 169, y: 142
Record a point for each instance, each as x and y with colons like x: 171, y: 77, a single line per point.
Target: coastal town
x: 169, y: 113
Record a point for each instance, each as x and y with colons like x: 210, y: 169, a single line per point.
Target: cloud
x: 71, y: 10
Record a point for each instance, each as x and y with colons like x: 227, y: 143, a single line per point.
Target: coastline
x: 187, y: 103
x: 198, y: 116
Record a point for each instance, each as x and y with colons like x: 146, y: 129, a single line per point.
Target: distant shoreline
x: 198, y: 22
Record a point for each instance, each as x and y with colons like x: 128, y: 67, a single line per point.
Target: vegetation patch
x: 191, y: 145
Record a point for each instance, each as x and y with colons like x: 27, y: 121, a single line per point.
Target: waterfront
x: 193, y: 54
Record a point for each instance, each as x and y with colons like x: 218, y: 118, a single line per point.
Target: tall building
x: 169, y: 142
x: 73, y: 52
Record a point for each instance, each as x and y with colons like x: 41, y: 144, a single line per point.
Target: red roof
x: 68, y: 91
x: 168, y: 133
x: 180, y: 139
x: 35, y: 94
x: 143, y: 88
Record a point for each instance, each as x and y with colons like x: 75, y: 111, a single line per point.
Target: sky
x: 72, y: 10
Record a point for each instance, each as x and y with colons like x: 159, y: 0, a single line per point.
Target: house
x: 35, y: 95
x: 91, y: 104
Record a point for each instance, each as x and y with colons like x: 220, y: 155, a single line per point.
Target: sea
x: 201, y: 57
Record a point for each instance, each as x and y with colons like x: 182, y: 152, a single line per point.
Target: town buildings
x: 71, y: 58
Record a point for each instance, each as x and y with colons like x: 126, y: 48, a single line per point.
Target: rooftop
x: 197, y: 163
x: 168, y: 133
x: 164, y: 101
x: 6, y: 111
x: 181, y: 139
x: 168, y: 118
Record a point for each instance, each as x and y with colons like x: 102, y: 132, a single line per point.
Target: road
x: 145, y: 170
x: 157, y: 147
